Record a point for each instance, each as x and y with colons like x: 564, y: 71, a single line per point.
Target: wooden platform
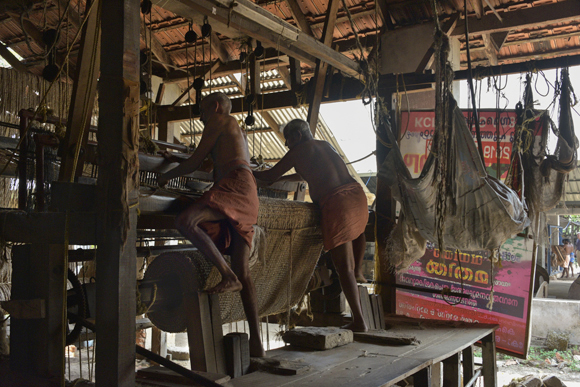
x: 371, y: 365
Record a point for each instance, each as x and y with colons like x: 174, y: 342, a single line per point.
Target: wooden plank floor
x: 370, y: 365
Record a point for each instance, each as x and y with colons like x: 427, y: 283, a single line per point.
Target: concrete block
x: 318, y: 338
x: 552, y: 381
x: 557, y: 340
x: 178, y: 353
x: 566, y: 312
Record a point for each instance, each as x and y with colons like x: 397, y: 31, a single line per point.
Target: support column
x: 117, y: 193
x: 385, y: 219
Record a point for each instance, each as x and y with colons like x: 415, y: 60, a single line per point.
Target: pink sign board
x: 470, y: 273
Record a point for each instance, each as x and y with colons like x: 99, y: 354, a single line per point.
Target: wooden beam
x: 189, y: 91
x: 285, y: 76
x: 251, y: 19
x: 254, y: 66
x: 72, y: 15
x: 160, y: 94
x: 498, y: 40
x: 117, y: 192
x: 83, y: 97
x: 351, y: 90
x: 477, y: 6
x: 490, y: 50
x: 388, y: 82
x: 534, y: 17
x: 179, y: 24
x: 219, y: 48
x: 447, y: 28
x: 156, y: 47
x: 295, y: 75
x: 535, y: 57
x: 271, y: 60
x: 299, y: 17
x: 273, y: 125
x: 12, y: 59
x: 322, y: 67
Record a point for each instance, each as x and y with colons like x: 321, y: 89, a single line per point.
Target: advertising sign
x: 510, y: 290
x: 470, y: 273
x: 417, y: 128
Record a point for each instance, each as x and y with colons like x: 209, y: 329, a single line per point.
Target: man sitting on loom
x: 222, y: 220
x: 341, y: 199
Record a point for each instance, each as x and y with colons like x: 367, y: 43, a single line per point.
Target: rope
x: 364, y: 158
x: 45, y: 93
x: 143, y: 308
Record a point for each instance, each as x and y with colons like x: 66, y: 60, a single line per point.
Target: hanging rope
x: 470, y: 80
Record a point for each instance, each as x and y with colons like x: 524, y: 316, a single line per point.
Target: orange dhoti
x: 235, y: 196
x: 345, y: 215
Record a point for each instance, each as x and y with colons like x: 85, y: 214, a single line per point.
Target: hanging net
x: 538, y: 176
x: 454, y: 202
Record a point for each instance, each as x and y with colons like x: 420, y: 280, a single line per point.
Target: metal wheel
x: 75, y: 304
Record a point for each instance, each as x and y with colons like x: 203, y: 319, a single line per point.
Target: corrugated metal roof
x: 262, y: 141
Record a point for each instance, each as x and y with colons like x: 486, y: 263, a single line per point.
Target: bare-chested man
x: 222, y: 219
x: 568, y: 249
x: 341, y: 199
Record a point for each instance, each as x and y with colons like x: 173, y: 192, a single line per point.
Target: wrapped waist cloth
x: 344, y: 215
x: 236, y: 196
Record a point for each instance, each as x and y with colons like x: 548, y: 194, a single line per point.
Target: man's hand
x: 169, y: 156
x: 162, y: 181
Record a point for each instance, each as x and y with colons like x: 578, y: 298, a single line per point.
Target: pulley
x: 146, y: 6
x: 205, y: 29
x: 190, y: 36
x: 259, y: 50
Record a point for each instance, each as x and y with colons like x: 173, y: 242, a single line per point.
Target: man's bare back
x: 321, y: 166
x: 343, y: 204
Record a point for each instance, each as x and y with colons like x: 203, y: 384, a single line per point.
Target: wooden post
x: 423, y: 377
x: 83, y: 96
x: 468, y: 364
x: 385, y: 219
x: 451, y: 371
x: 37, y: 340
x: 489, y: 361
x: 321, y: 67
x: 117, y: 193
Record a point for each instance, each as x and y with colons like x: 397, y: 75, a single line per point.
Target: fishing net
x: 538, y: 176
x: 454, y: 202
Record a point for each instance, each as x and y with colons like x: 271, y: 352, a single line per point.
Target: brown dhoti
x: 235, y: 196
x: 345, y: 215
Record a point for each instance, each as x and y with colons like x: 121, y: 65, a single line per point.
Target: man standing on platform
x: 222, y: 220
x: 342, y: 201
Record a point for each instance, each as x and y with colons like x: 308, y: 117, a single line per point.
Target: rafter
x: 322, y: 67
x: 252, y: 20
x: 156, y: 47
x: 563, y: 11
x: 12, y: 59
x: 299, y: 17
x: 72, y: 15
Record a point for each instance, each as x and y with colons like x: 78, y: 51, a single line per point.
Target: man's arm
x: 208, y: 141
x: 281, y: 167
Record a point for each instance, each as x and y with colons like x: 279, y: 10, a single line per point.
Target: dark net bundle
x: 538, y: 176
